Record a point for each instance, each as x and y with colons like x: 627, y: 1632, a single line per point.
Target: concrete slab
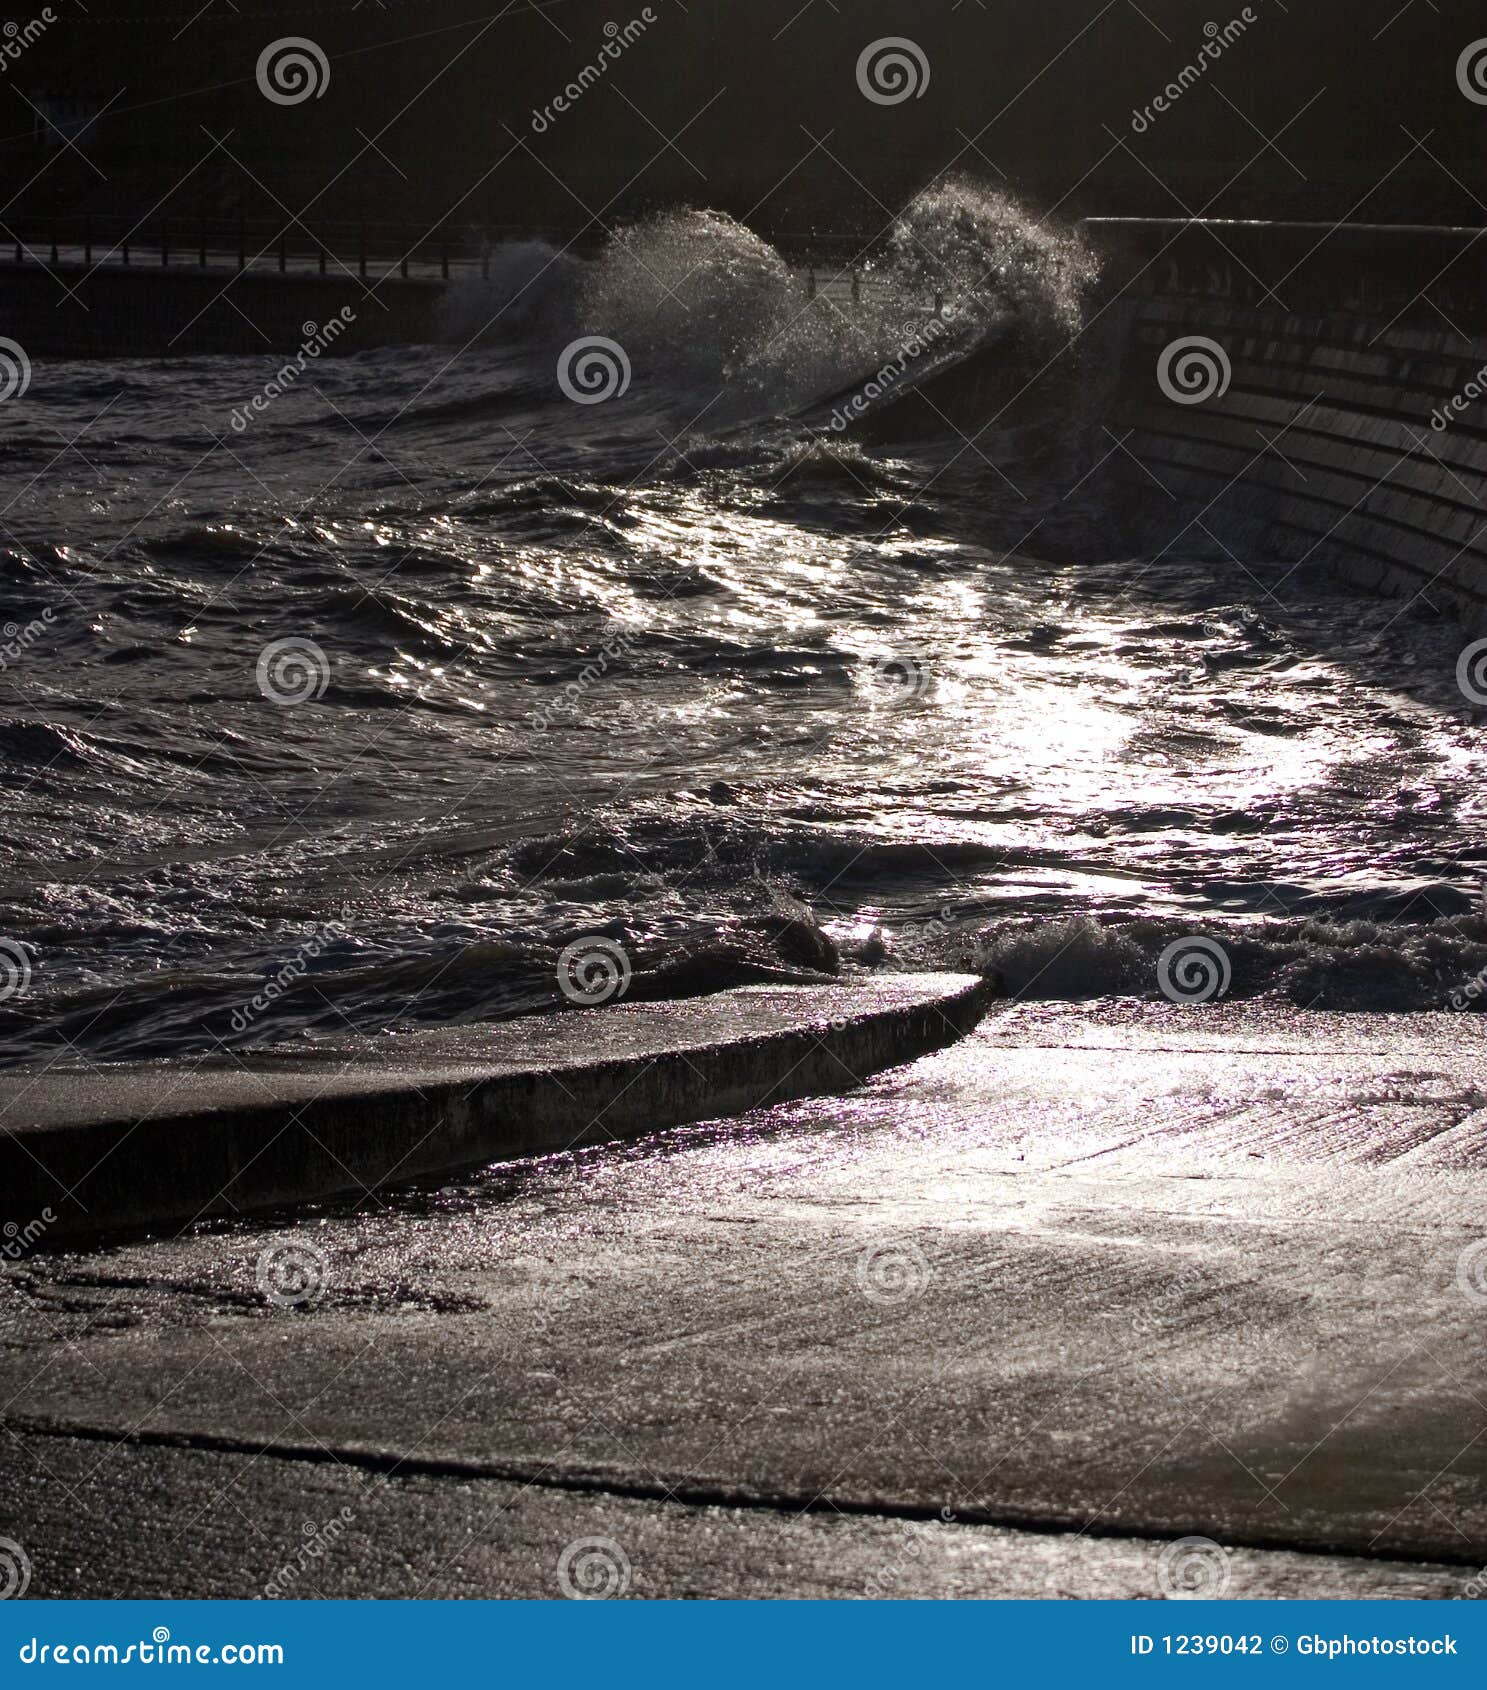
x: 129, y: 1145
x: 199, y: 1525
x: 1123, y: 1286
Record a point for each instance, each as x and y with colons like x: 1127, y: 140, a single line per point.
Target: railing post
x: 88, y: 240
x: 124, y: 249
x: 54, y: 240
x: 810, y: 282
x: 164, y: 245
x: 201, y: 248
x: 856, y: 286
x: 444, y: 258
x: 242, y: 244
x: 283, y: 250
x: 322, y: 257
x: 19, y: 251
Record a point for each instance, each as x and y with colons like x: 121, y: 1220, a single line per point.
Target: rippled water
x: 687, y: 670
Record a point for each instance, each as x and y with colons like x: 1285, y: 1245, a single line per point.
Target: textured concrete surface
x: 1134, y: 1273
x: 140, y: 1522
x: 129, y: 1145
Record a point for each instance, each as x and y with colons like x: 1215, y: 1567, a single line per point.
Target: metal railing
x: 369, y: 250
x: 372, y: 251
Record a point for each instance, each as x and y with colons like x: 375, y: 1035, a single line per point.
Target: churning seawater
x: 358, y: 714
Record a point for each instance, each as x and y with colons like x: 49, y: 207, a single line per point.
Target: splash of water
x: 525, y: 287
x: 990, y: 260
x: 693, y: 291
x: 701, y: 300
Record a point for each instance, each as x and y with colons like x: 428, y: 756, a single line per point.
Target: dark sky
x: 1324, y: 110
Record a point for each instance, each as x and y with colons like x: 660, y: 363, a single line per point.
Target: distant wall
x: 73, y: 310
x: 1338, y: 413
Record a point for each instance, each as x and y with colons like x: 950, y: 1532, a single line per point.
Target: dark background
x: 427, y: 116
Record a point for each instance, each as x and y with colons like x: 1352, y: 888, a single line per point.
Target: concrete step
x: 130, y: 1145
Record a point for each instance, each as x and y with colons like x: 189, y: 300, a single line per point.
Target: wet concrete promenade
x: 1011, y: 1321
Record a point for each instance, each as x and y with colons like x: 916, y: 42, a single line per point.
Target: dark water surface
x: 369, y: 709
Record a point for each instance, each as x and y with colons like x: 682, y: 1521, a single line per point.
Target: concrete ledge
x: 131, y: 1146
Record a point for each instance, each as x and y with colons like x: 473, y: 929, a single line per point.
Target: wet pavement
x: 134, y: 1146
x: 1007, y: 1322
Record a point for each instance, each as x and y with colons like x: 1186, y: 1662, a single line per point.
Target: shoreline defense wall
x: 144, y: 310
x: 1306, y: 392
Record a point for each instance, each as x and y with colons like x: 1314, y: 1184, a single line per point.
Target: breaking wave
x: 1327, y: 964
x: 699, y: 301
x: 685, y: 672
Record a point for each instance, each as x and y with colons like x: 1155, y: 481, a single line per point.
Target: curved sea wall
x: 1305, y: 392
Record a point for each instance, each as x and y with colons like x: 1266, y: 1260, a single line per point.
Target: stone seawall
x: 118, y: 311
x: 1306, y: 393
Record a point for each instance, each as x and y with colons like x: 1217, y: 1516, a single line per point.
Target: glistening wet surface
x: 358, y: 715
x: 1115, y: 1269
